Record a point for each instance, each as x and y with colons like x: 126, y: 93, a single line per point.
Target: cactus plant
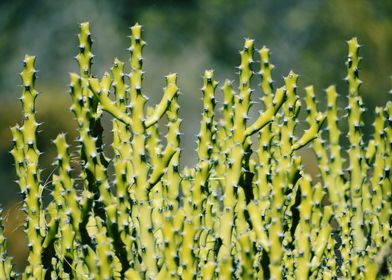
x: 246, y: 210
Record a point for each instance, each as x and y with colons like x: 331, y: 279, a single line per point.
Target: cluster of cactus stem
x: 246, y: 210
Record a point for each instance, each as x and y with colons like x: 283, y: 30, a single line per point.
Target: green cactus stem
x: 247, y: 209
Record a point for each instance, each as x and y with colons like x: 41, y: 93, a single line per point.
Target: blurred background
x: 186, y: 37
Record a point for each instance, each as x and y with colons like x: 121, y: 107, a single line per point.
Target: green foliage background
x: 184, y: 37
